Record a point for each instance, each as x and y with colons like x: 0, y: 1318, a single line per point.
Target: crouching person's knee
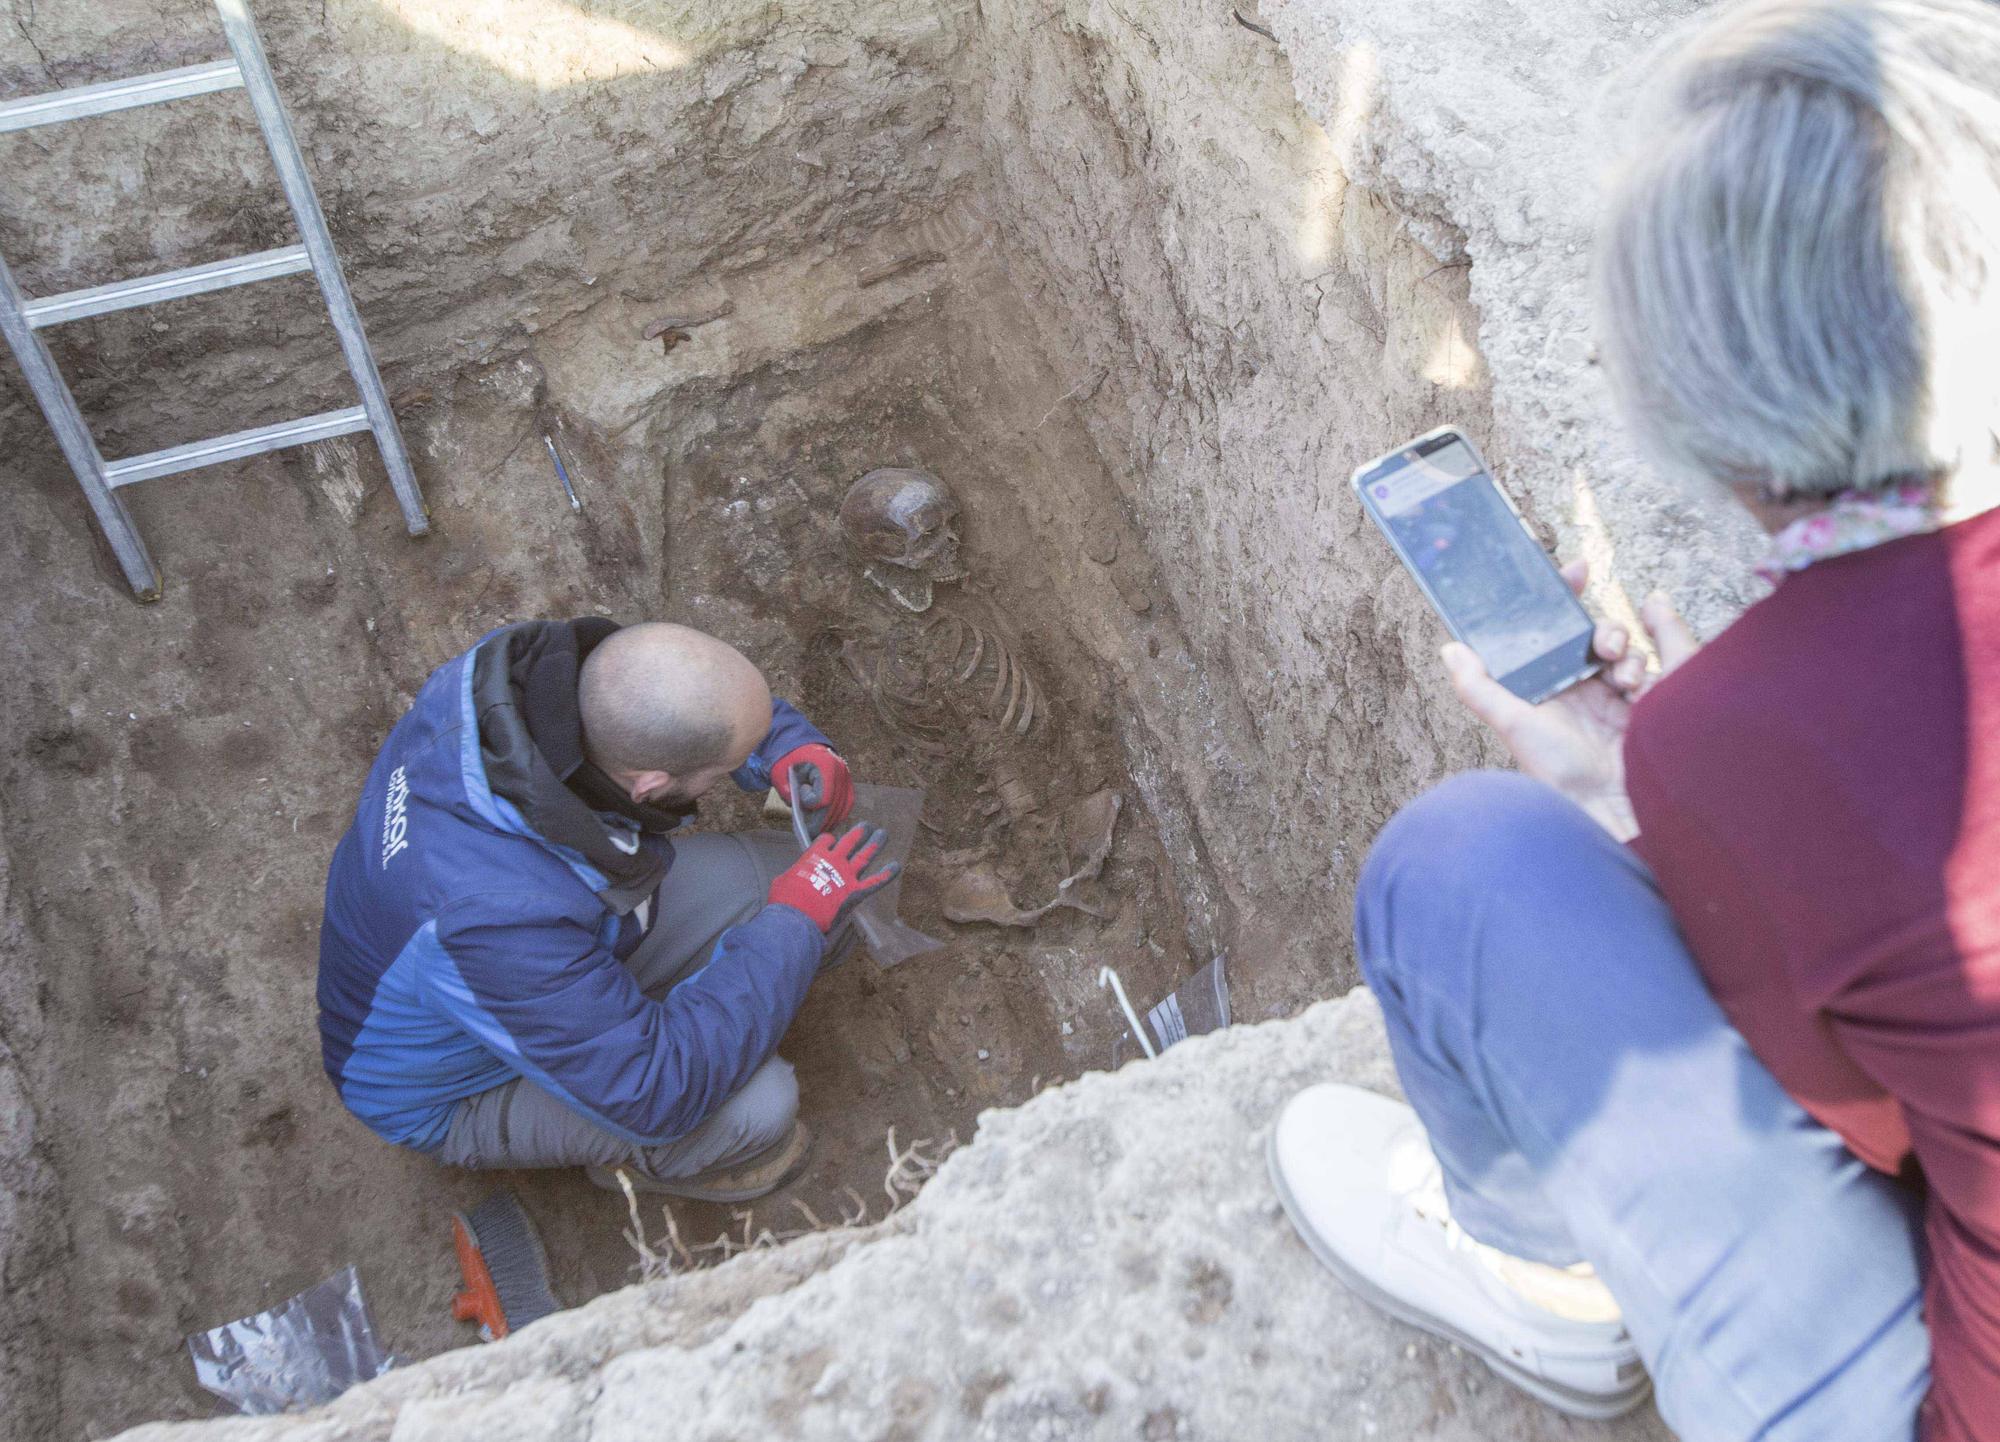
x: 1463, y: 830
x: 1443, y: 858
x: 766, y: 1107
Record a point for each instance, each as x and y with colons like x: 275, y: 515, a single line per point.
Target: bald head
x: 666, y: 701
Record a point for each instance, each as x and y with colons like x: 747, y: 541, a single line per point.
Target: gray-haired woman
x: 1747, y: 1066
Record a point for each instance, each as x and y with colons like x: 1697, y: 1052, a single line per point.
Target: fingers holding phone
x: 1626, y: 670
x: 1526, y: 658
x: 1480, y: 694
x: 1478, y: 564
x: 1672, y: 636
x: 1623, y: 669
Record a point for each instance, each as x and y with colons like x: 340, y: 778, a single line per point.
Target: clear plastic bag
x: 895, y: 809
x: 1199, y: 1007
x: 298, y: 1354
x: 888, y: 937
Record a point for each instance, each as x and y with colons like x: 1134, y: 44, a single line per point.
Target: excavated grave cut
x: 952, y: 282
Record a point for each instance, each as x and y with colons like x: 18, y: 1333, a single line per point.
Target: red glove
x: 827, y: 879
x: 827, y: 786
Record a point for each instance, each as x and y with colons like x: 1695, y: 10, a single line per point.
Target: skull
x: 903, y: 526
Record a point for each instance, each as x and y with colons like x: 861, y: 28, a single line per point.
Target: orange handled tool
x: 506, y: 1272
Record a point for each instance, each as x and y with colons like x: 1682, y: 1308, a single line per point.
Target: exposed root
x: 909, y: 1168
x: 650, y: 1264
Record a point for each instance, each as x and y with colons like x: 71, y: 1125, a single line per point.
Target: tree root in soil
x: 909, y: 1168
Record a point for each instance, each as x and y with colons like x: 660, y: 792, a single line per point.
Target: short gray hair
x: 659, y: 697
x: 1793, y: 271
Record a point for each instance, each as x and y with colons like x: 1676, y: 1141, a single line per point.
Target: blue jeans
x: 1588, y: 1100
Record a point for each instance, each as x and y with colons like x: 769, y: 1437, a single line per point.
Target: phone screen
x: 1496, y: 588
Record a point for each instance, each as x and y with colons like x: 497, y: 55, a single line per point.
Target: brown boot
x: 743, y: 1181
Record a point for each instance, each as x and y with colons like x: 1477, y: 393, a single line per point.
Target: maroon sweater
x: 1818, y: 792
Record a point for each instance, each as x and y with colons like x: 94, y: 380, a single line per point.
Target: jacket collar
x: 531, y: 742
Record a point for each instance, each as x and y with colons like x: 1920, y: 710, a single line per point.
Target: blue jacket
x: 479, y: 907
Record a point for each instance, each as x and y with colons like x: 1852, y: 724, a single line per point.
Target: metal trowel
x: 895, y: 809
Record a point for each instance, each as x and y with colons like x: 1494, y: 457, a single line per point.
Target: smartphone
x: 1478, y: 563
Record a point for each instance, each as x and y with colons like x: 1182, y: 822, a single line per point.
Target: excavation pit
x: 1105, y: 278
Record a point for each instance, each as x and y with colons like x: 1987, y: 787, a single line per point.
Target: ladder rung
x: 234, y: 447
x: 172, y: 285
x: 83, y: 100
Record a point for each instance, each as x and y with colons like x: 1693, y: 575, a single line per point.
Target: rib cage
x: 967, y: 648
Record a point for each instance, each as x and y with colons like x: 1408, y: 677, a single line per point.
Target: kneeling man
x: 518, y: 967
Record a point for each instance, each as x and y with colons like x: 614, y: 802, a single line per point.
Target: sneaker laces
x: 1575, y: 1293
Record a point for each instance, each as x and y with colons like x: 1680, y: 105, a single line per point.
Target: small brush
x: 505, y: 1269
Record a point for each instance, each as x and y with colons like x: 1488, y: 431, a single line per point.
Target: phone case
x: 1354, y: 483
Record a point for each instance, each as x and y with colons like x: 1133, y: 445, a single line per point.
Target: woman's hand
x: 1574, y: 741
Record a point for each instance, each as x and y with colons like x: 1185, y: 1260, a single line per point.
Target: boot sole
x: 1590, y: 1406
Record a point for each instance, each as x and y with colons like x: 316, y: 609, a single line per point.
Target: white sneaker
x: 1357, y: 1177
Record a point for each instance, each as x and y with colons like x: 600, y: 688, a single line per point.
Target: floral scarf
x: 1855, y: 521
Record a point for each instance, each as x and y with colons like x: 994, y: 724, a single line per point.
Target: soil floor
x: 182, y: 771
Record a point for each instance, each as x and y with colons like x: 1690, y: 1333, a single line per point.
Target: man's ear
x: 641, y: 786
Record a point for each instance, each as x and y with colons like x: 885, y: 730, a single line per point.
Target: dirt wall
x: 33, y: 1236
x: 1245, y: 325
x: 1268, y: 245
x: 488, y: 168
